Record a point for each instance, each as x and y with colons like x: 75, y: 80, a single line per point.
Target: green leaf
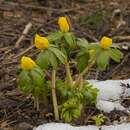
x: 38, y: 81
x: 33, y: 82
x: 98, y: 119
x: 64, y: 51
x: 76, y: 113
x: 90, y: 93
x: 116, y: 54
x: 60, y: 56
x: 25, y: 82
x: 53, y: 60
x: 70, y: 110
x: 82, y: 60
x: 103, y: 60
x: 24, y: 78
x: 70, y: 40
x: 43, y: 59
x: 82, y: 42
x: 93, y: 46
x: 36, y: 77
x: 55, y: 36
x: 50, y: 56
x: 64, y: 89
x: 67, y: 117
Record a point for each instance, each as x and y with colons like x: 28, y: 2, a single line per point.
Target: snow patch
x: 108, y: 106
x: 111, y: 89
x: 110, y: 94
x: 62, y: 126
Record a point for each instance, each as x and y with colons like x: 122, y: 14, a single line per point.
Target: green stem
x: 81, y: 83
x: 36, y: 103
x: 80, y: 77
x: 54, y: 98
x: 45, y: 99
x: 68, y: 74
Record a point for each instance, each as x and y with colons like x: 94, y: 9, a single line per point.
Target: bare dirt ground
x: 89, y: 18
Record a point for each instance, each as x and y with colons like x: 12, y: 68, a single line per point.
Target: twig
x: 23, y: 52
x: 8, y: 6
x: 121, y: 38
x: 4, y: 49
x: 97, y: 74
x: 25, y: 31
x: 109, y: 74
x: 88, y: 35
x: 16, y: 56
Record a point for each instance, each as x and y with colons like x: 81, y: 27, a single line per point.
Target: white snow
x: 110, y: 94
x: 108, y: 106
x: 111, y: 89
x: 124, y: 126
x: 62, y: 126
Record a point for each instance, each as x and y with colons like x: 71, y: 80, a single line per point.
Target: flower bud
x: 106, y: 42
x: 63, y: 24
x: 27, y: 63
x: 41, y: 42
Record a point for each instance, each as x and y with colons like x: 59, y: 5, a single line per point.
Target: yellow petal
x: 63, y: 24
x: 41, y: 42
x: 106, y: 42
x: 27, y: 63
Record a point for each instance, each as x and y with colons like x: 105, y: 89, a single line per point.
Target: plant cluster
x: 98, y: 119
x: 63, y: 49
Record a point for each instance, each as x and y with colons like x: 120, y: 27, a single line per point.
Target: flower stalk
x: 68, y: 74
x: 80, y: 77
x: 36, y: 103
x: 54, y: 98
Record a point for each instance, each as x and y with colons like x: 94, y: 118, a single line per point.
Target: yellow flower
x: 41, y: 42
x: 106, y: 42
x: 63, y: 24
x: 27, y: 63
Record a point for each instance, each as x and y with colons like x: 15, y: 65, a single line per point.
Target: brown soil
x: 16, y: 110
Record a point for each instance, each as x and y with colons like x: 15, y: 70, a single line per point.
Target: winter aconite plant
x: 98, y: 119
x: 58, y: 52
x: 31, y: 80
